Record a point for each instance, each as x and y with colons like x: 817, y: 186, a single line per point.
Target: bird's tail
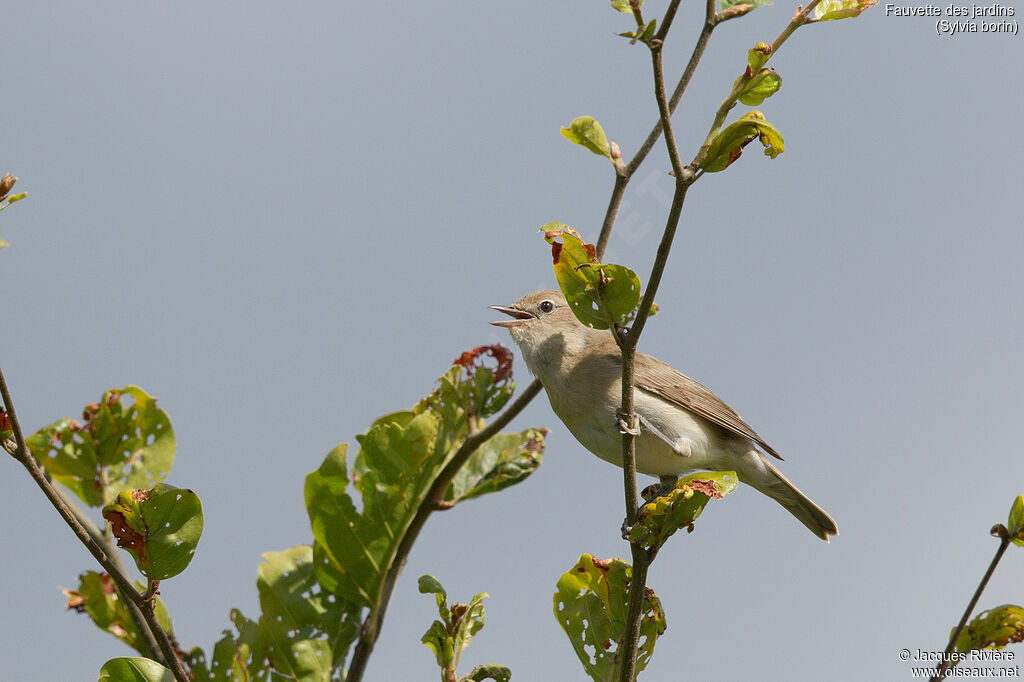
x: 770, y: 481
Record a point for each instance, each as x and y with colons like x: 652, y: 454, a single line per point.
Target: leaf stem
x: 946, y: 663
x: 124, y: 585
x: 375, y: 618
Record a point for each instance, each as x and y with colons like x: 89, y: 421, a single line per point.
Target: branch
x: 623, y: 174
x: 375, y: 618
x: 151, y: 648
x: 124, y: 585
x: 946, y: 663
x: 730, y: 101
x: 684, y: 177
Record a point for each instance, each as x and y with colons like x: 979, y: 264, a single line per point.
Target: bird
x: 684, y: 427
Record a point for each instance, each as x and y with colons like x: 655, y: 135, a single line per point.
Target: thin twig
x: 24, y: 455
x: 623, y: 173
x: 741, y: 83
x: 945, y: 665
x: 375, y: 618
x: 710, y: 22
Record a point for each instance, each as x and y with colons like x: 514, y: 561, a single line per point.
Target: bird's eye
x: 546, y: 306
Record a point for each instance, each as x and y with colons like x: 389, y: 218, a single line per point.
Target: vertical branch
x: 684, y: 177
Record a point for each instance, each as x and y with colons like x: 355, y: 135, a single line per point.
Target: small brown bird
x: 684, y: 427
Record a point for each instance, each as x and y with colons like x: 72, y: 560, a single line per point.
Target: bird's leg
x: 632, y: 429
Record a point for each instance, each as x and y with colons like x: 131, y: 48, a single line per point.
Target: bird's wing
x: 659, y: 379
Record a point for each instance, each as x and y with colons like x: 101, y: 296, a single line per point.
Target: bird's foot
x: 624, y: 427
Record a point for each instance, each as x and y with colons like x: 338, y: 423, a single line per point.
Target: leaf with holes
x: 588, y: 133
x: 97, y: 597
x: 660, y: 518
x: 728, y: 145
x: 831, y: 10
x: 160, y: 528
x: 1015, y: 522
x: 599, y: 294
x: 308, y: 632
x: 235, y: 658
x: 126, y: 442
x: 993, y: 629
x: 134, y: 670
x: 504, y: 460
x: 591, y: 604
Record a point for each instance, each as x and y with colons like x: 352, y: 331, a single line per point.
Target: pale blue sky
x: 285, y: 220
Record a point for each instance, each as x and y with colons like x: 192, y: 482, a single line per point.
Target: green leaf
x: 993, y: 629
x: 238, y: 658
x: 724, y: 5
x: 400, y: 456
x: 761, y: 86
x: 14, y: 198
x: 448, y: 637
x: 97, y: 597
x: 468, y: 621
x: 728, y: 144
x: 440, y: 642
x: 490, y: 671
x: 643, y: 34
x: 758, y: 55
x: 134, y: 670
x: 398, y: 463
x: 599, y: 294
x: 587, y: 132
x: 126, y: 442
x: 623, y: 6
x: 660, y: 518
x: 428, y: 584
x: 160, y: 528
x: 502, y: 461
x: 477, y: 390
x: 308, y: 631
x: 591, y: 604
x: 1015, y: 523
x: 830, y: 10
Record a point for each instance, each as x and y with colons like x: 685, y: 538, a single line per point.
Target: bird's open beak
x: 520, y: 316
